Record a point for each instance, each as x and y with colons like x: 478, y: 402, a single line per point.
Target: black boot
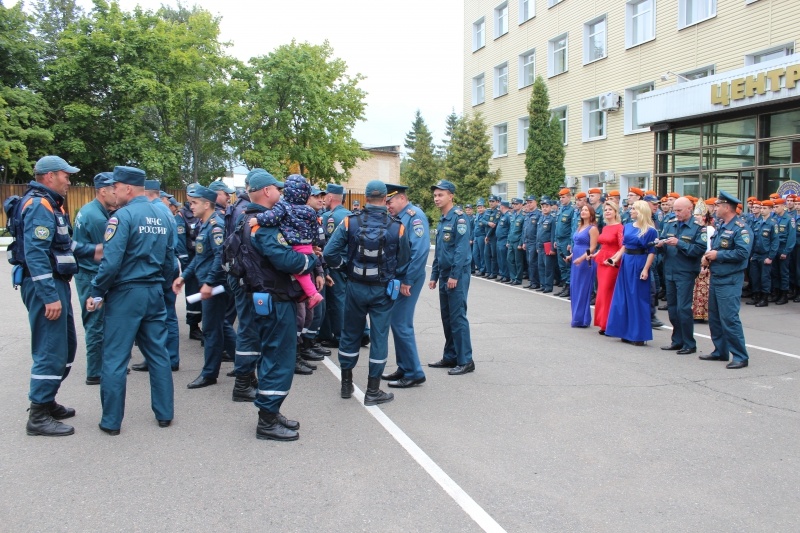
x: 754, y: 299
x: 782, y: 298
x: 41, y: 422
x: 270, y: 428
x: 306, y: 352
x: 763, y: 302
x: 195, y: 333
x: 318, y: 349
x: 565, y: 292
x: 374, y: 394
x: 254, y: 379
x: 243, y: 390
x: 775, y: 296
x: 294, y: 425
x: 59, y: 412
x: 347, y: 384
x: 797, y: 298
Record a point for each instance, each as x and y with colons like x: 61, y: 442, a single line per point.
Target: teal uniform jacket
x: 270, y: 243
x: 733, y: 243
x: 765, y: 238
x: 547, y: 229
x: 207, y: 263
x: 180, y: 249
x: 563, y: 221
x: 418, y: 232
x: 683, y: 259
x: 453, y: 252
x: 787, y: 232
x: 332, y: 219
x: 90, y: 228
x: 503, y: 226
x: 173, y: 227
x: 491, y: 215
x: 531, y: 226
x: 479, y: 231
x: 137, y: 245
x: 598, y: 215
x: 517, y: 221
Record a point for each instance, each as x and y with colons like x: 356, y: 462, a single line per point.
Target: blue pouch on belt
x: 393, y: 289
x: 263, y: 303
x: 16, y: 276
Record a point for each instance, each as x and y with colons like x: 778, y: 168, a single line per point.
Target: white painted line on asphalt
x: 470, y: 506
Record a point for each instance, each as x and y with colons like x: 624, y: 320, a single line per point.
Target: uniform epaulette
x: 411, y: 212
x: 459, y: 212
x: 740, y: 223
x: 212, y: 221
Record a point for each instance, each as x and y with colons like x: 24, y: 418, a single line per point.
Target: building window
x: 500, y: 140
x: 478, y: 89
x: 594, y: 120
x: 527, y: 68
x: 558, y: 56
x: 560, y: 113
x: 551, y: 3
x: 500, y: 80
x: 478, y: 34
x: 523, y: 125
x: 640, y: 22
x: 594, y: 40
x: 632, y: 124
x: 694, y: 11
x: 521, y: 190
x: 527, y: 9
x: 696, y: 74
x: 500, y: 190
x: 769, y: 54
x: 501, y: 20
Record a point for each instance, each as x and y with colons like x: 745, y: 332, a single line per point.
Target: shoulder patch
x: 218, y: 238
x: 217, y: 230
x: 411, y: 212
x: 282, y: 239
x: 111, y: 230
x: 418, y: 230
x: 113, y: 220
x: 41, y: 232
x: 181, y: 229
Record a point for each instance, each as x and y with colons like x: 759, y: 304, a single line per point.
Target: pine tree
x: 544, y: 157
x: 467, y: 163
x: 449, y: 128
x: 420, y: 169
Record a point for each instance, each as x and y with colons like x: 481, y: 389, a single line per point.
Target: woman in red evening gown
x: 610, y: 241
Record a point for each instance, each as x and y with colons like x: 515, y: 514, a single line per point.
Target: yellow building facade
x: 628, y: 78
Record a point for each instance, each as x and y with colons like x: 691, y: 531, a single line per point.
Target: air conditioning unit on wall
x: 605, y: 176
x: 609, y: 101
x: 570, y: 182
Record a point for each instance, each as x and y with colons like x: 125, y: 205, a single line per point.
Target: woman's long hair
x: 615, y: 207
x: 645, y: 219
x: 592, y: 216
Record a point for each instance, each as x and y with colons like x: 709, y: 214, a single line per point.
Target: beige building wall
x: 739, y: 28
x: 383, y: 165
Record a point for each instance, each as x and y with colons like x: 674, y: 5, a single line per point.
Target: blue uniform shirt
x: 418, y: 232
x: 491, y: 215
x: 503, y: 226
x: 453, y: 255
x: 206, y: 265
x: 563, y: 223
x: 733, y: 243
x: 181, y: 250
x: 531, y: 226
x: 479, y: 231
x: 547, y: 229
x: 684, y: 258
x: 270, y: 243
x: 332, y: 219
x: 90, y: 228
x: 787, y: 232
x: 765, y: 238
x: 517, y: 220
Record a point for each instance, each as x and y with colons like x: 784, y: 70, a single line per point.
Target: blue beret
x: 260, y: 178
x: 53, y: 163
x: 445, y: 186
x: 219, y: 185
x: 530, y: 198
x: 504, y: 204
x: 728, y: 198
x: 334, y: 188
x: 104, y: 179
x: 129, y: 175
x: 152, y: 185
x: 202, y: 192
x: 376, y: 189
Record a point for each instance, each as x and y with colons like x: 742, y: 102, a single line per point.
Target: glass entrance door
x: 728, y: 182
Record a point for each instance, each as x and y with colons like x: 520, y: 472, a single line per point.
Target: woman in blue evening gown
x: 583, y: 268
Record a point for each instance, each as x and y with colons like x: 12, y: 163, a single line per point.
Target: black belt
x: 636, y: 252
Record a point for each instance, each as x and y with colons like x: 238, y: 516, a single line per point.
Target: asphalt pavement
x: 558, y: 429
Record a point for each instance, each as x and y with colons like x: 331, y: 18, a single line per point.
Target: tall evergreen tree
x: 449, y: 128
x: 52, y: 18
x: 420, y: 170
x: 467, y: 163
x: 544, y: 157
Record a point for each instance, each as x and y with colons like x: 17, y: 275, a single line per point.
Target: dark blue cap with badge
x: 516, y: 200
x: 504, y: 204
x: 53, y: 163
x: 334, y: 188
x: 728, y: 198
x: 468, y: 206
x: 165, y: 194
x: 152, y: 185
x: 173, y: 201
x: 316, y: 191
x: 219, y: 185
x: 202, y: 192
x: 375, y: 189
x: 104, y: 179
x: 480, y: 203
x: 260, y: 178
x: 444, y: 185
x: 393, y: 188
x: 530, y: 198
x: 129, y: 176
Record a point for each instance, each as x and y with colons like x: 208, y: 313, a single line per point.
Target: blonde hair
x: 615, y: 207
x: 645, y: 219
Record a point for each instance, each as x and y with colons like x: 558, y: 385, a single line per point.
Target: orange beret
x: 664, y: 199
x: 778, y: 201
x: 791, y: 197
x: 636, y: 190
x: 752, y: 199
x: 652, y: 193
x: 774, y: 195
x: 580, y: 195
x: 562, y: 192
x: 691, y: 198
x: 756, y: 202
x: 767, y: 203
x: 674, y: 195
x: 710, y: 201
x: 595, y: 190
x: 614, y: 193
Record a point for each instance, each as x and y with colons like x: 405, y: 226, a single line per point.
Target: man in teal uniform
x: 515, y: 251
x: 409, y: 371
x: 130, y: 283
x: 545, y: 235
x: 501, y: 234
x: 90, y: 228
x: 331, y: 329
x: 490, y: 252
x: 377, y: 252
x: 529, y: 233
x: 765, y: 249
x: 206, y: 266
x: 787, y: 233
x: 479, y: 237
x: 44, y: 250
x: 562, y: 241
x: 450, y: 271
x: 730, y: 251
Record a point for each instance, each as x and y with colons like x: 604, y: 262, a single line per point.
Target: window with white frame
x: 560, y: 113
x: 640, y: 22
x: 500, y: 140
x: 500, y: 190
x: 527, y: 68
x: 557, y: 52
x: 523, y: 125
x: 769, y: 54
x: 521, y: 190
x: 478, y: 34
x: 696, y: 74
x: 551, y: 3
x: 594, y: 40
x: 500, y: 80
x: 694, y: 11
x: 478, y: 89
x: 632, y: 124
x: 527, y: 9
x: 594, y: 120
x: 501, y: 20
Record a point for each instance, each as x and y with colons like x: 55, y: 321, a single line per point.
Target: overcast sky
x: 410, y: 51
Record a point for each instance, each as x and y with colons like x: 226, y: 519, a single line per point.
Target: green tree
x: 53, y: 17
x: 544, y: 157
x: 421, y: 168
x: 467, y: 163
x: 301, y: 108
x: 23, y: 112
